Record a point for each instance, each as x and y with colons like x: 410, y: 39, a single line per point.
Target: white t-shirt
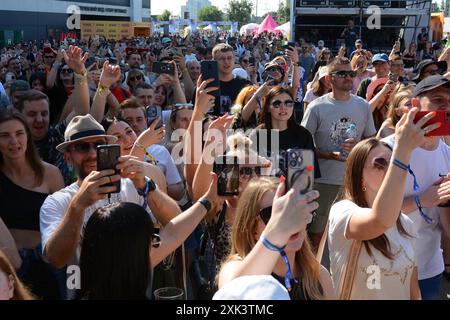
x: 394, y: 275
x: 165, y: 162
x: 427, y: 165
x: 309, y: 96
x: 55, y: 206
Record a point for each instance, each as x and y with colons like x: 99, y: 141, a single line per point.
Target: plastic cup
x: 169, y: 293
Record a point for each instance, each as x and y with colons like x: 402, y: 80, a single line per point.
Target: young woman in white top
x: 369, y: 212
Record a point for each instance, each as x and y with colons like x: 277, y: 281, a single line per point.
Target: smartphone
x: 10, y: 77
x: 210, y: 70
x: 251, y: 61
x: 227, y: 170
x: 297, y: 161
x: 289, y: 46
x: 163, y: 67
x: 154, y: 112
x: 441, y: 116
x: 107, y: 158
x: 393, y: 77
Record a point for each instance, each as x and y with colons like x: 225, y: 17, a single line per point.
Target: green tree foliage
x: 165, y: 16
x: 240, y: 11
x: 210, y: 13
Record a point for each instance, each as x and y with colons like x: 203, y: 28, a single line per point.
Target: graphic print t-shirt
x: 328, y: 120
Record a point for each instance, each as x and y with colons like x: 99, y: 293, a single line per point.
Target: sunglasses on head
x: 344, y: 74
x: 277, y: 103
x: 380, y: 164
x: 265, y: 214
x: 139, y: 78
x: 85, y: 147
x: 248, y: 171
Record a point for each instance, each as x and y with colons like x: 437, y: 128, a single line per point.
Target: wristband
x: 406, y: 167
x: 206, y: 203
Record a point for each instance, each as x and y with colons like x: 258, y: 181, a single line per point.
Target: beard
x: 80, y: 170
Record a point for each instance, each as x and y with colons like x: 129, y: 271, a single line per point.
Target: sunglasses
x: 138, y: 78
x: 245, y: 61
x: 85, y: 147
x: 380, y: 164
x: 344, y: 74
x: 277, y: 103
x: 248, y: 171
x: 265, y: 214
x: 48, y: 57
x: 69, y: 71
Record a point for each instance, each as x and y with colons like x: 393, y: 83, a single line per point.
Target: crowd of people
x: 379, y: 202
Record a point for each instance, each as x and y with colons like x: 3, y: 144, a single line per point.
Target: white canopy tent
x: 249, y: 28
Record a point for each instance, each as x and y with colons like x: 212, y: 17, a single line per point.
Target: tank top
x: 19, y: 207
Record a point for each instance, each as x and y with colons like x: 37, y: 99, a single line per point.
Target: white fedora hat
x: 81, y: 128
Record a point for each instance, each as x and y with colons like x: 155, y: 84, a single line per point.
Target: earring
x: 364, y: 189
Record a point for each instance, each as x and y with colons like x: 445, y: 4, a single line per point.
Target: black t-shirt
x: 294, y: 137
x: 229, y: 91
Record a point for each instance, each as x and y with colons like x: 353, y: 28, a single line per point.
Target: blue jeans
x: 431, y: 288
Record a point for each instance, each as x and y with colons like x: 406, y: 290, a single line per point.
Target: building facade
x: 192, y: 8
x: 41, y: 19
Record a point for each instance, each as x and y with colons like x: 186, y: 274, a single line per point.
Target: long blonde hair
x: 243, y: 241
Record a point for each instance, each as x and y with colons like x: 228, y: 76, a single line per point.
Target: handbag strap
x: 350, y: 271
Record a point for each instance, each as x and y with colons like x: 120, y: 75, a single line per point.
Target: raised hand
x: 203, y: 99
x: 75, y: 59
x: 110, y: 75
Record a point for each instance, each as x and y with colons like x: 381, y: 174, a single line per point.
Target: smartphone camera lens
x: 293, y: 163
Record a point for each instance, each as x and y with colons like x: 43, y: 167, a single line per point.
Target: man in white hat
x: 64, y: 213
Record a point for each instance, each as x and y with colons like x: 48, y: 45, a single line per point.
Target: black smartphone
x: 251, y: 61
x: 163, y: 67
x: 290, y: 45
x: 154, y: 112
x: 227, y: 170
x: 107, y: 158
x: 297, y: 161
x: 210, y: 70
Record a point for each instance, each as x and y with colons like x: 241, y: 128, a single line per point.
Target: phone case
x: 227, y: 170
x: 107, y: 158
x: 441, y: 116
x: 210, y: 70
x: 154, y: 112
x: 298, y: 160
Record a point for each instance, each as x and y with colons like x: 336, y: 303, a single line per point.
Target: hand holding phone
x: 298, y: 161
x: 442, y: 117
x: 107, y: 158
x: 153, y: 113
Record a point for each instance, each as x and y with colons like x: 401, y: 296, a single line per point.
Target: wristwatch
x: 206, y: 203
x: 149, y: 187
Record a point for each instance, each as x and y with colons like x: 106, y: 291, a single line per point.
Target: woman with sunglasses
x: 119, y: 248
x: 135, y: 77
x: 219, y: 220
x: 277, y: 117
x: 25, y: 182
x: 60, y: 84
x: 295, y: 267
x: 371, y: 242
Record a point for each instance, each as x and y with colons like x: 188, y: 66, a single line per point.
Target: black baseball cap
x: 430, y: 83
x: 442, y: 65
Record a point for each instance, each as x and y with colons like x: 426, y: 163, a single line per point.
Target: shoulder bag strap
x: 348, y: 278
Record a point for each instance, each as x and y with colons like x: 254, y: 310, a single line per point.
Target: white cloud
x: 158, y: 6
